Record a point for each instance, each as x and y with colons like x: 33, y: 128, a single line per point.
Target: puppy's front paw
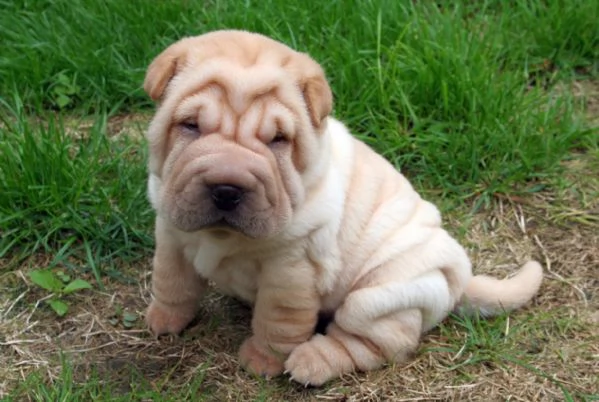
x: 257, y: 361
x: 164, y: 320
x: 317, y: 361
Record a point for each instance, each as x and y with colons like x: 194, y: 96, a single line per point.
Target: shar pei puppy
x: 260, y: 191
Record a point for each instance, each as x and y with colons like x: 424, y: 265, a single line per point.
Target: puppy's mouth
x: 215, y: 223
x: 222, y: 225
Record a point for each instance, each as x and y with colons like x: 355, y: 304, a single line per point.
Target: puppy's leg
x: 176, y: 288
x: 390, y: 338
x: 285, y: 316
x: 379, y: 322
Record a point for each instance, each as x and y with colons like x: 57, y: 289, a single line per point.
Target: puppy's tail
x: 490, y: 296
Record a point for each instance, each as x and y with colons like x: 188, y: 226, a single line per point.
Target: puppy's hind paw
x: 317, y: 361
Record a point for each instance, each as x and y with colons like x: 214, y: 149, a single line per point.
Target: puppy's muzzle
x: 226, y: 197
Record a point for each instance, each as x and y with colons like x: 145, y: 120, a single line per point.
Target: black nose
x: 226, y: 197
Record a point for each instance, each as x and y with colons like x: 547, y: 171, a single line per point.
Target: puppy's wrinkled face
x: 236, y: 141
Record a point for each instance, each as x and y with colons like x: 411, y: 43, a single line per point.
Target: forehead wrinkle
x: 290, y: 108
x: 243, y: 85
x: 228, y: 121
x: 205, y: 106
x: 277, y: 118
x: 190, y: 105
x: 249, y: 122
x: 290, y: 96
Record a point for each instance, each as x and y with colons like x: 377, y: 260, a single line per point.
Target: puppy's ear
x: 314, y: 86
x: 163, y: 68
x: 318, y: 97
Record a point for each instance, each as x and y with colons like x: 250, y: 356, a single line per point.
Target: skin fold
x: 259, y: 190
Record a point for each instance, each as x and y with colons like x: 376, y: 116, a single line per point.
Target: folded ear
x: 318, y: 96
x: 163, y: 68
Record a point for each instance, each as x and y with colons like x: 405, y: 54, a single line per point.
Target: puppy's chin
x: 222, y: 225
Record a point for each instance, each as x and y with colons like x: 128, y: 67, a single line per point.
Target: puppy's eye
x: 190, y: 127
x: 280, y: 138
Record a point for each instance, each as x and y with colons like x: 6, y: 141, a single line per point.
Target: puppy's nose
x: 226, y: 197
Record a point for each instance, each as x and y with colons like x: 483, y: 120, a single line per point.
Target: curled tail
x: 490, y: 296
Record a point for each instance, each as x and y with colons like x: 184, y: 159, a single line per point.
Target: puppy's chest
x: 235, y: 275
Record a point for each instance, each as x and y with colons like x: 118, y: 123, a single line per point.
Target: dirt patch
x: 589, y: 90
x: 131, y: 125
x: 586, y: 91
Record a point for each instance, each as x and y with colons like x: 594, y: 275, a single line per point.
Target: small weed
x: 64, y: 91
x: 126, y: 318
x: 59, y: 285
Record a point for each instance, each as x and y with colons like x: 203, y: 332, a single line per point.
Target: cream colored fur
x: 327, y: 225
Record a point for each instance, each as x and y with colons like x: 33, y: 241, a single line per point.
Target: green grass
x: 68, y: 196
x: 445, y: 93
x: 66, y: 388
x: 103, y: 48
x: 466, y: 97
x: 69, y: 386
